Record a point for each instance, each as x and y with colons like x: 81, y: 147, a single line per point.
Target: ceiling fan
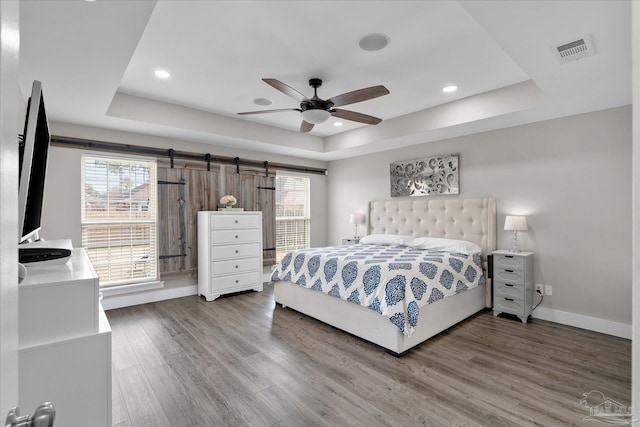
x: 315, y: 110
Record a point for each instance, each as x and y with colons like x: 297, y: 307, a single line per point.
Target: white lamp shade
x: 315, y: 116
x: 515, y: 223
x: 357, y: 218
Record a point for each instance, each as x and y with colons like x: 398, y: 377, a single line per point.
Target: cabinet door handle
x: 508, y: 256
x: 509, y: 285
x: 509, y: 271
x: 509, y: 299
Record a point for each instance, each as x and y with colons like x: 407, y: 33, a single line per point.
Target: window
x: 119, y: 218
x: 292, y: 213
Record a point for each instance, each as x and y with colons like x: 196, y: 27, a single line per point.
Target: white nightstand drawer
x: 509, y: 290
x: 224, y: 237
x: 350, y: 241
x: 514, y: 277
x: 509, y: 262
x: 235, y: 266
x: 509, y: 305
x: 229, y: 220
x: 235, y: 251
x: 236, y: 281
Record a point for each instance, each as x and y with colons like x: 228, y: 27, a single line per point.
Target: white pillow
x: 385, y: 239
x: 448, y: 245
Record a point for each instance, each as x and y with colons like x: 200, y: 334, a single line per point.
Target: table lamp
x: 357, y: 218
x: 515, y: 223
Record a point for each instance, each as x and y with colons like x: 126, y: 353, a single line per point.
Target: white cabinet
x: 65, y: 343
x: 513, y: 283
x: 229, y: 252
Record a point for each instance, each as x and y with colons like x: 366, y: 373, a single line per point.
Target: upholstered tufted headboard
x: 465, y: 219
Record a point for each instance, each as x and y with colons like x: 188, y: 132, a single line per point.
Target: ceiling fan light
x: 315, y: 116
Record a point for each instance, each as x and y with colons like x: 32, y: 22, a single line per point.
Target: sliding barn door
x: 182, y: 192
x: 257, y: 192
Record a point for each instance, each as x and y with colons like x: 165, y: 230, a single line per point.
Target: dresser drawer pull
x: 237, y: 266
x: 509, y: 271
x: 237, y: 251
x: 509, y: 299
x: 237, y: 281
x: 509, y: 285
x: 236, y: 236
x: 236, y: 221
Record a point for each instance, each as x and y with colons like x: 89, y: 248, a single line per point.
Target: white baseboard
x: 609, y: 327
x: 119, y: 301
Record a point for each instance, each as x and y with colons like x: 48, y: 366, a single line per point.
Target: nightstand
x: 513, y: 289
x: 350, y: 240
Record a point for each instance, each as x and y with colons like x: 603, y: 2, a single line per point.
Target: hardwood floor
x: 238, y: 361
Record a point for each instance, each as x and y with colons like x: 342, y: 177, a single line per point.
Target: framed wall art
x: 425, y: 177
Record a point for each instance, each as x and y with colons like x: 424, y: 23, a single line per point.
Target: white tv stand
x: 65, y: 343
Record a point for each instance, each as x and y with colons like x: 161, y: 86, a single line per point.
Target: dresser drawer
x: 223, y: 283
x: 226, y: 221
x: 509, y: 262
x: 514, y: 277
x: 510, y: 305
x: 509, y: 290
x: 248, y: 250
x: 235, y: 266
x: 224, y: 237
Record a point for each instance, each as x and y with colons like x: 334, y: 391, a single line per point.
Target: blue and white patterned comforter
x: 395, y: 281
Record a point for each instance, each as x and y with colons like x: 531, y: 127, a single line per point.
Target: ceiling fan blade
x: 306, y: 126
x: 355, y: 117
x: 359, y: 95
x: 287, y: 90
x: 269, y: 111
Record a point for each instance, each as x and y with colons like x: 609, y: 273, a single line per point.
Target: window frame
x: 306, y: 217
x: 152, y: 206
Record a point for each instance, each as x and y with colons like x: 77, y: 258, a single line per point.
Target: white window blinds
x: 292, y: 213
x: 119, y: 218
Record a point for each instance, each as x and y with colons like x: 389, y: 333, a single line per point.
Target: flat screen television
x: 34, y: 149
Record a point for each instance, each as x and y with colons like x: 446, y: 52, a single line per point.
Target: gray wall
x: 570, y: 176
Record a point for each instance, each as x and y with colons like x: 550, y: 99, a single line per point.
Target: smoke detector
x: 574, y: 50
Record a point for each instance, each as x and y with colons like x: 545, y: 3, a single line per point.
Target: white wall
x: 10, y: 125
x: 570, y: 176
x: 61, y: 213
x: 635, y: 351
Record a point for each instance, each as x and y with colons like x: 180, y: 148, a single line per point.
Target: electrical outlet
x: 539, y: 288
x: 548, y: 290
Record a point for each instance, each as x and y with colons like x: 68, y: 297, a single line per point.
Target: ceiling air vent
x: 574, y: 50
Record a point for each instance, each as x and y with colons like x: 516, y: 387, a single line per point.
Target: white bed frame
x: 467, y: 219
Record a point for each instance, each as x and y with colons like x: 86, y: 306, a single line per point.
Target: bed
x: 470, y: 219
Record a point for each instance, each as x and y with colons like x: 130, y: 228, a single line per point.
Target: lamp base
x: 514, y: 243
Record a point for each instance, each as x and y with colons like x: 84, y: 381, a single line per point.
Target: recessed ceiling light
x: 337, y: 124
x: 373, y: 42
x: 450, y: 88
x: 262, y: 101
x: 162, y: 74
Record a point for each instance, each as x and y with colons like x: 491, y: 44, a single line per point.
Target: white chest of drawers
x: 229, y: 252
x: 513, y: 283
